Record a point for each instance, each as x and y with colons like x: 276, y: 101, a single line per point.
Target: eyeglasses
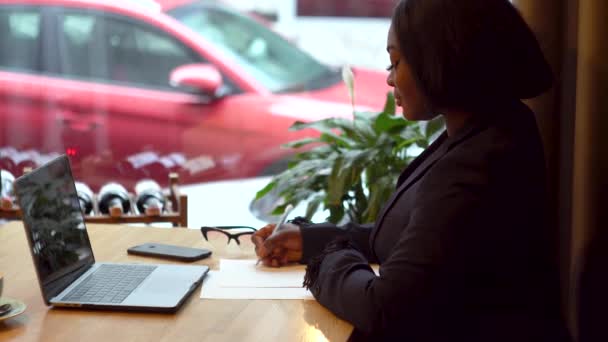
x: 219, y: 237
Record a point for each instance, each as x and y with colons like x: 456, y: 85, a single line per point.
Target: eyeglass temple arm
x: 235, y: 227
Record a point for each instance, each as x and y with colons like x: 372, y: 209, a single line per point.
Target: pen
x: 278, y: 226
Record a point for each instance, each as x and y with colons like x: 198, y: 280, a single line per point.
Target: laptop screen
x: 54, y: 224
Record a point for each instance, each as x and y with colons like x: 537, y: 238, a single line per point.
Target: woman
x: 464, y: 250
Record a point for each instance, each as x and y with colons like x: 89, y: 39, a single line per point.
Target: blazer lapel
x: 420, y: 159
x: 411, y: 172
x: 411, y: 168
x: 412, y: 177
x: 420, y: 166
x: 445, y: 144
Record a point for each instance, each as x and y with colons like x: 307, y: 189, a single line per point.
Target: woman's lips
x: 397, y: 98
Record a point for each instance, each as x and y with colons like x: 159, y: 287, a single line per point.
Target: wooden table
x: 197, y: 320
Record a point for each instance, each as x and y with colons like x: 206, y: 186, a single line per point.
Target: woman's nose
x: 389, y: 80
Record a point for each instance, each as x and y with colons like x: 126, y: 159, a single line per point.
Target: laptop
x: 67, y: 272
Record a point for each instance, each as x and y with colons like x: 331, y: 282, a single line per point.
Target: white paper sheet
x: 245, y: 273
x: 242, y: 279
x: 211, y: 289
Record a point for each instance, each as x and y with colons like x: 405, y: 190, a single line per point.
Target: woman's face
x: 407, y: 94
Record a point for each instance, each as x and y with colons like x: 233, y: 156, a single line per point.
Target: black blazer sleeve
x: 450, y: 196
x: 316, y: 236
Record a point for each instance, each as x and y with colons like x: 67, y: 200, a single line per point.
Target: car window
x: 107, y: 48
x: 158, y: 45
x: 341, y: 8
x: 269, y: 58
x: 78, y: 28
x: 20, y: 38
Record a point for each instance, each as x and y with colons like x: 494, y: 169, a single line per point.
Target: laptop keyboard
x: 109, y: 284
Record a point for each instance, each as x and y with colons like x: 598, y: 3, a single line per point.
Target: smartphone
x: 169, y: 251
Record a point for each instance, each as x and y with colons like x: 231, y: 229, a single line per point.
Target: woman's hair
x: 469, y: 53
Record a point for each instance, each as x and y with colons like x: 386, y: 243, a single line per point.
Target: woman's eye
x: 392, y: 66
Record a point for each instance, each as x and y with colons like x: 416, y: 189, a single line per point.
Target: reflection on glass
x: 51, y: 211
x: 262, y: 53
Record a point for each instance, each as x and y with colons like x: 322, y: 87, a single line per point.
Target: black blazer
x: 464, y: 250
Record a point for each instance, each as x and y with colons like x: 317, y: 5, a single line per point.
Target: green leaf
x: 386, y: 122
x: 360, y: 202
x: 325, y: 125
x: 301, y: 142
x: 379, y: 193
x: 265, y: 190
x: 339, y: 141
x: 279, y: 210
x: 356, y: 158
x: 300, y: 194
x: 364, y: 132
x: 336, y: 183
x: 354, y: 131
x: 389, y: 105
x: 422, y: 143
x: 350, y: 166
x: 322, y: 152
x: 336, y: 213
x: 407, y: 143
x: 434, y: 126
x: 313, y: 205
x: 365, y: 116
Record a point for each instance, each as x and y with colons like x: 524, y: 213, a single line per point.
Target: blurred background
x: 207, y: 90
x: 335, y: 32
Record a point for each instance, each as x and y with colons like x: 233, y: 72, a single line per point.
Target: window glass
x: 61, y: 57
x: 105, y: 48
x: 20, y: 38
x: 25, y: 25
x: 158, y: 45
x: 78, y: 28
x: 341, y: 8
x: 269, y: 58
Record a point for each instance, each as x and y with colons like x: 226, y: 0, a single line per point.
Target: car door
x: 24, y: 115
x: 121, y: 117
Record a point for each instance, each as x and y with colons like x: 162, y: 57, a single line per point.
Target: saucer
x: 17, y: 307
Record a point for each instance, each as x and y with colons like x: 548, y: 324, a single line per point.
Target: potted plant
x: 352, y: 167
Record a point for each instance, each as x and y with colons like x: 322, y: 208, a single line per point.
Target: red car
x: 133, y: 89
x: 341, y: 8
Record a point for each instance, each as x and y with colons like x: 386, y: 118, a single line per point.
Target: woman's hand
x: 280, y: 249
